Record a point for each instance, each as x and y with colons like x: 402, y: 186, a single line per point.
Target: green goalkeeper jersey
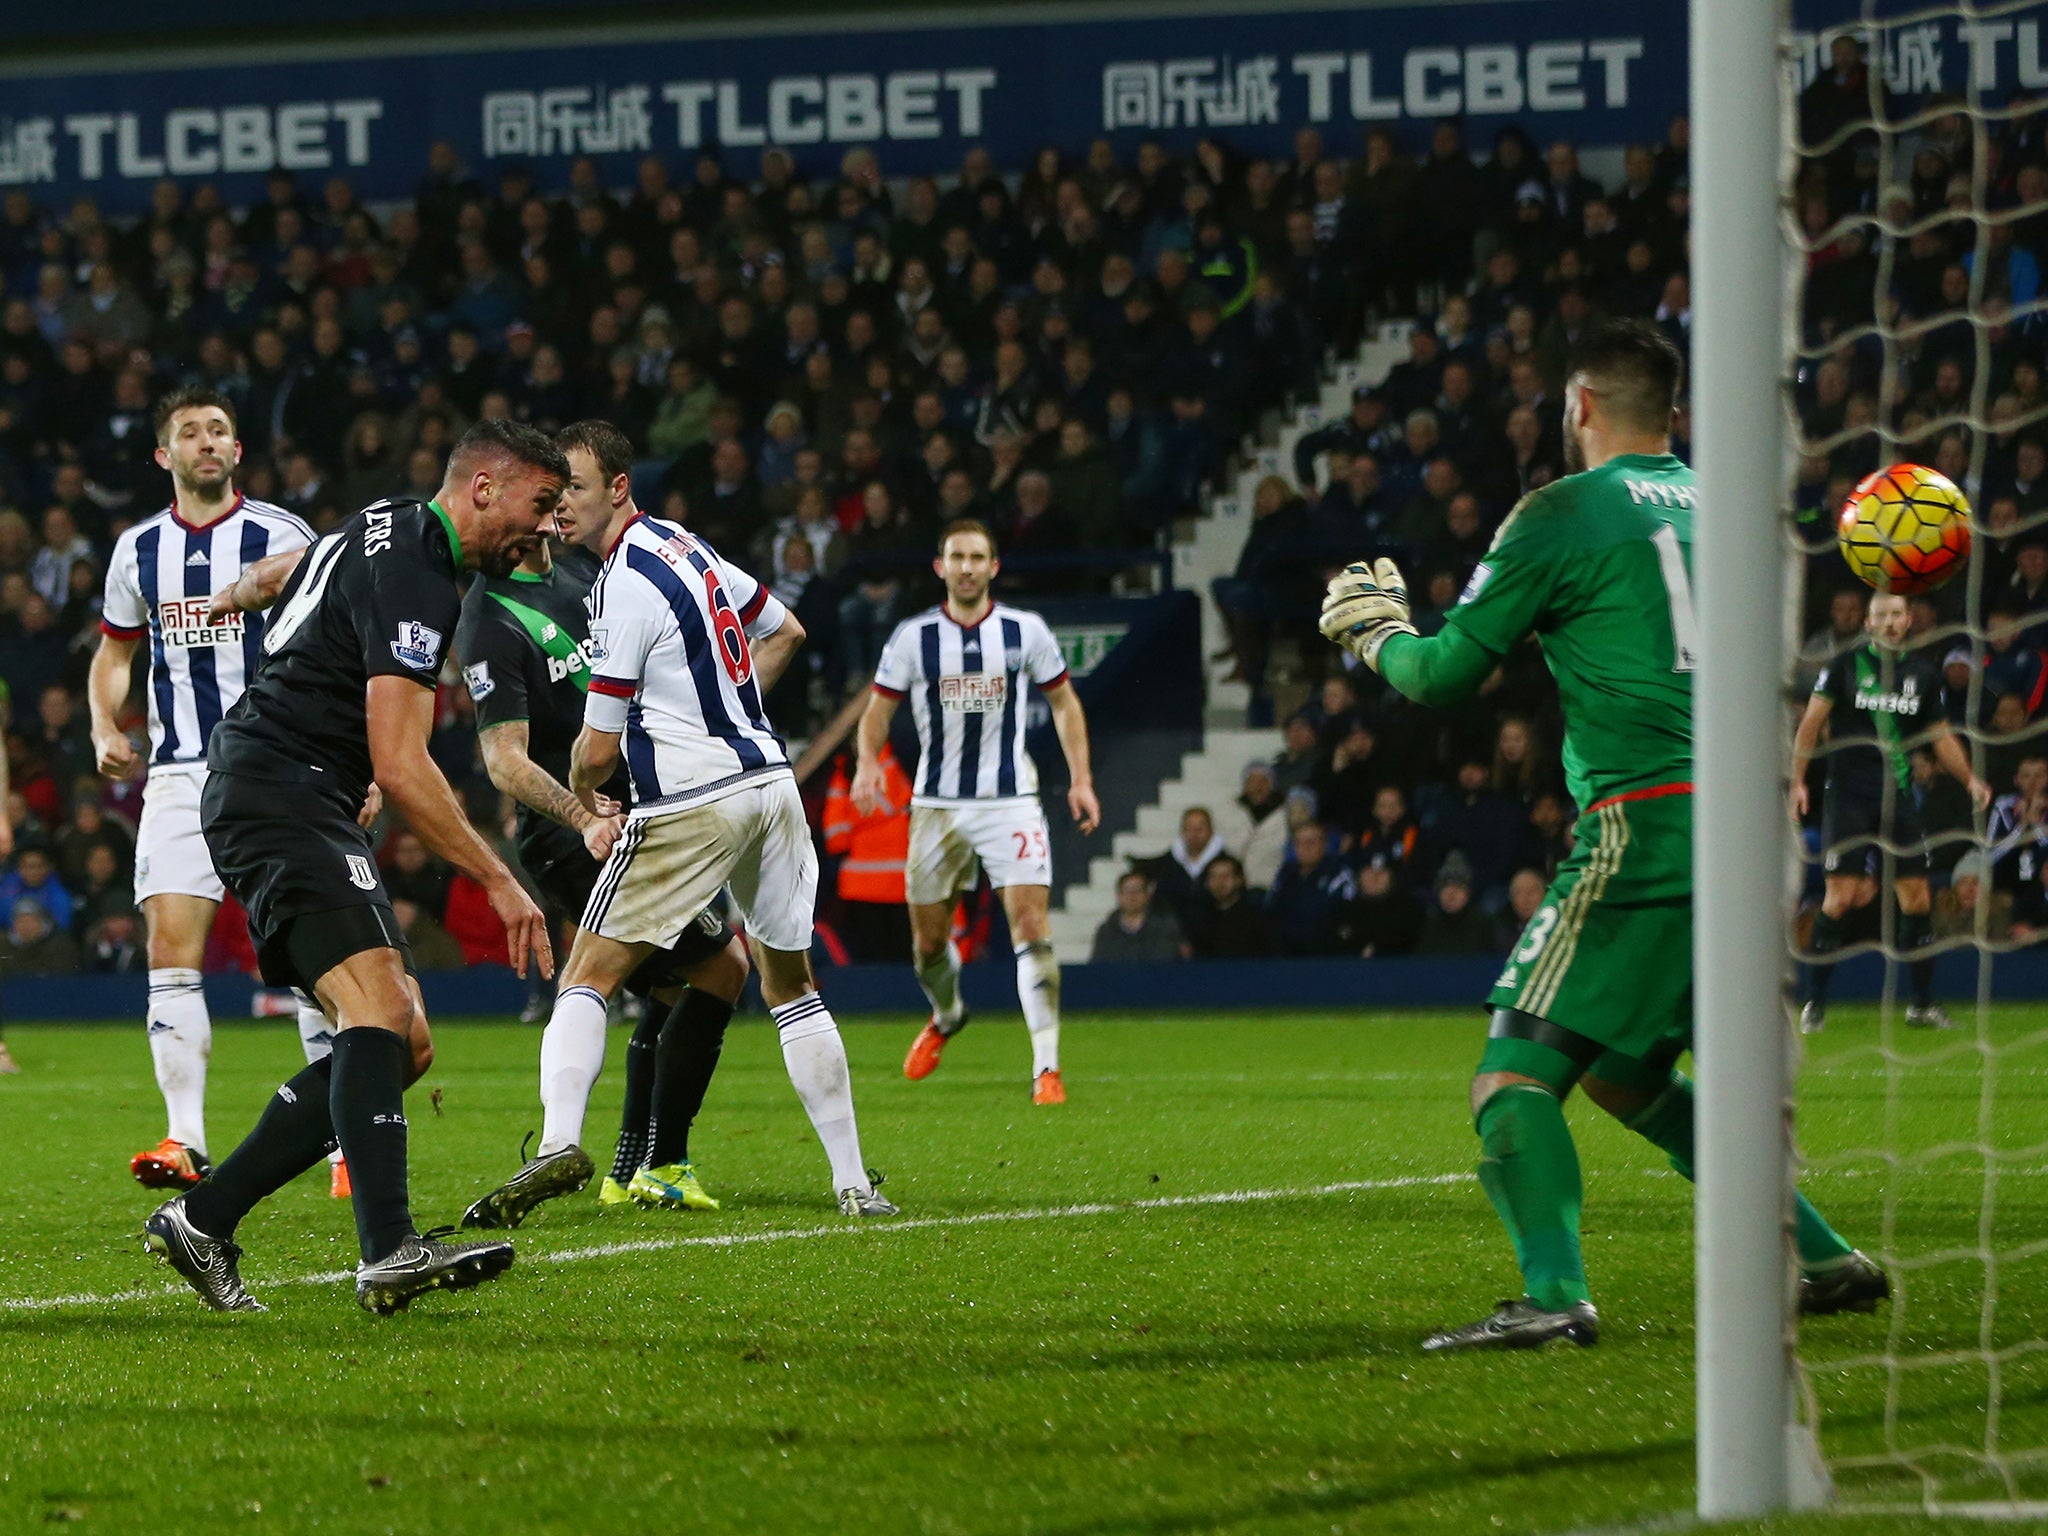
x: 1596, y: 567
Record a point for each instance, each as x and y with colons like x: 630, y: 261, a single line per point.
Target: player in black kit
x: 343, y: 697
x: 523, y: 647
x: 1877, y: 702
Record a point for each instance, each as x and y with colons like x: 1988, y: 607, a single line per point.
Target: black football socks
x: 368, y: 1103
x: 295, y: 1131
x: 688, y: 1055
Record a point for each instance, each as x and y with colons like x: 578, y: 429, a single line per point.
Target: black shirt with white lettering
x: 524, y: 648
x: 375, y: 598
x: 1880, y: 702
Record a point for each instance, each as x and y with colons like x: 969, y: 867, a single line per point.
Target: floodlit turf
x: 1153, y: 1362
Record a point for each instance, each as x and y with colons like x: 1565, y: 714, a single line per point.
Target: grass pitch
x: 1188, y: 1301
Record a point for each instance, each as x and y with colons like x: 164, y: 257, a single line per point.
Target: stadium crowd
x: 822, y: 371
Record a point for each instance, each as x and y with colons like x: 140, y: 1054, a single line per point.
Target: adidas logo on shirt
x: 197, y: 557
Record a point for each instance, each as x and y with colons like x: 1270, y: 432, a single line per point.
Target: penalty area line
x: 801, y: 1234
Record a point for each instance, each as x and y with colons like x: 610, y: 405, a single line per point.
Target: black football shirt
x: 524, y: 647
x: 1880, y: 700
x: 375, y: 598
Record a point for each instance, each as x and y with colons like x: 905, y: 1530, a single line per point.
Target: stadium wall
x: 917, y: 87
x: 491, y: 991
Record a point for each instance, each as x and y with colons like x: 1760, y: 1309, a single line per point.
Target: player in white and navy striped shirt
x: 682, y: 647
x: 160, y: 584
x: 965, y: 667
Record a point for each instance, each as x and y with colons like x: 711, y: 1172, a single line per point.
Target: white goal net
x: 1915, y: 198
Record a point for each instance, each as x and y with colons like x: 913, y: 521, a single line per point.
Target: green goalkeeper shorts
x: 1608, y: 956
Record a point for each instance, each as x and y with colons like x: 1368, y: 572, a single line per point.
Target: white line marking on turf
x: 798, y: 1234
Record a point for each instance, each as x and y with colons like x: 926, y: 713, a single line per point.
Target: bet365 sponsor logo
x: 182, y: 622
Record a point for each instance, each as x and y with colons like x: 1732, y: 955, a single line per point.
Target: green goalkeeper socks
x: 1667, y: 1125
x: 1530, y: 1171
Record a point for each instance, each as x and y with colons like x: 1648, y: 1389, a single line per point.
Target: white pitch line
x: 800, y: 1234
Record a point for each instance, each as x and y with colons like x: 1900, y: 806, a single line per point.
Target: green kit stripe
x: 549, y: 636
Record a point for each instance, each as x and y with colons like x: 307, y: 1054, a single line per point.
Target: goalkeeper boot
x: 611, y: 1193
x: 168, y: 1165
x: 1521, y: 1324
x: 546, y: 1177
x: 429, y: 1263
x: 923, y: 1059
x: 1813, y: 1018
x: 1048, y: 1089
x: 670, y: 1188
x: 1928, y: 1016
x: 867, y: 1202
x: 1855, y: 1284
x: 207, y: 1263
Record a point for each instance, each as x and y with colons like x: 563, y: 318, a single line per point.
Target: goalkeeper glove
x: 1364, y: 606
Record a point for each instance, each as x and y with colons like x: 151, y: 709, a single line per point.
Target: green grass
x: 1165, y: 1368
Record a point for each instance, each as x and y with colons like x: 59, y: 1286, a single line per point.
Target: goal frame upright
x: 1748, y: 1464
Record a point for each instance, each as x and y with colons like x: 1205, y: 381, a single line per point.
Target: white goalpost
x: 1950, y: 1414
x: 1748, y: 1464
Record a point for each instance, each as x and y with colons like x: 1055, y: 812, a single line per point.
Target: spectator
x: 1176, y: 875
x: 1386, y: 920
x: 872, y: 848
x: 35, y: 944
x: 1486, y: 828
x: 1955, y: 905
x: 1256, y: 829
x: 1309, y: 905
x: 1230, y: 925
x: 1525, y: 898
x: 114, y: 945
x: 35, y: 879
x: 412, y: 874
x: 432, y: 948
x: 1455, y: 925
x: 1136, y: 931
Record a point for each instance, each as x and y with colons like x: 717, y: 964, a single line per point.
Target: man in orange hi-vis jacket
x: 872, y: 848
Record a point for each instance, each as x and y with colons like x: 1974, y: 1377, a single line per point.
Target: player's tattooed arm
x: 258, y: 585
x: 518, y: 775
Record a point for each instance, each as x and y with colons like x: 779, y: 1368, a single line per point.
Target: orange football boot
x: 1048, y: 1089
x: 923, y: 1059
x: 338, y: 1185
x: 168, y: 1165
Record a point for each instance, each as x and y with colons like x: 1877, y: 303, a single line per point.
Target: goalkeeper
x: 1598, y: 992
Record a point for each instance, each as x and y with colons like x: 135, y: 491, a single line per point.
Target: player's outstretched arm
x: 258, y: 585
x: 513, y: 770
x: 106, y: 690
x: 1804, y: 740
x: 400, y: 718
x: 1365, y: 610
x: 1948, y: 751
x: 870, y: 783
x: 774, y: 651
x: 1070, y: 724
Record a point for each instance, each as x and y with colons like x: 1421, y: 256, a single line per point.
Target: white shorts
x: 1008, y: 837
x: 170, y: 850
x: 665, y: 870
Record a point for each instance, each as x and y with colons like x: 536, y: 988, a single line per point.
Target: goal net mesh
x: 1916, y: 201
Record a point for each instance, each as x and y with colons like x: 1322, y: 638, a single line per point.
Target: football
x: 1905, y: 529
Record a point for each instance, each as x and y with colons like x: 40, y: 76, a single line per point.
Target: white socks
x: 181, y: 1038
x: 571, y: 1056
x: 940, y: 978
x: 1038, y: 989
x: 316, y: 1038
x: 816, y: 1059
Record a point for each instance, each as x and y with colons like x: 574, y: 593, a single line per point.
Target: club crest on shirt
x: 478, y: 676
x: 974, y: 693
x: 417, y: 646
x: 361, y: 873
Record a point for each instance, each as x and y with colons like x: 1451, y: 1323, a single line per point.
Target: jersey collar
x: 454, y: 538
x: 958, y: 623
x: 615, y: 543
x: 190, y: 527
